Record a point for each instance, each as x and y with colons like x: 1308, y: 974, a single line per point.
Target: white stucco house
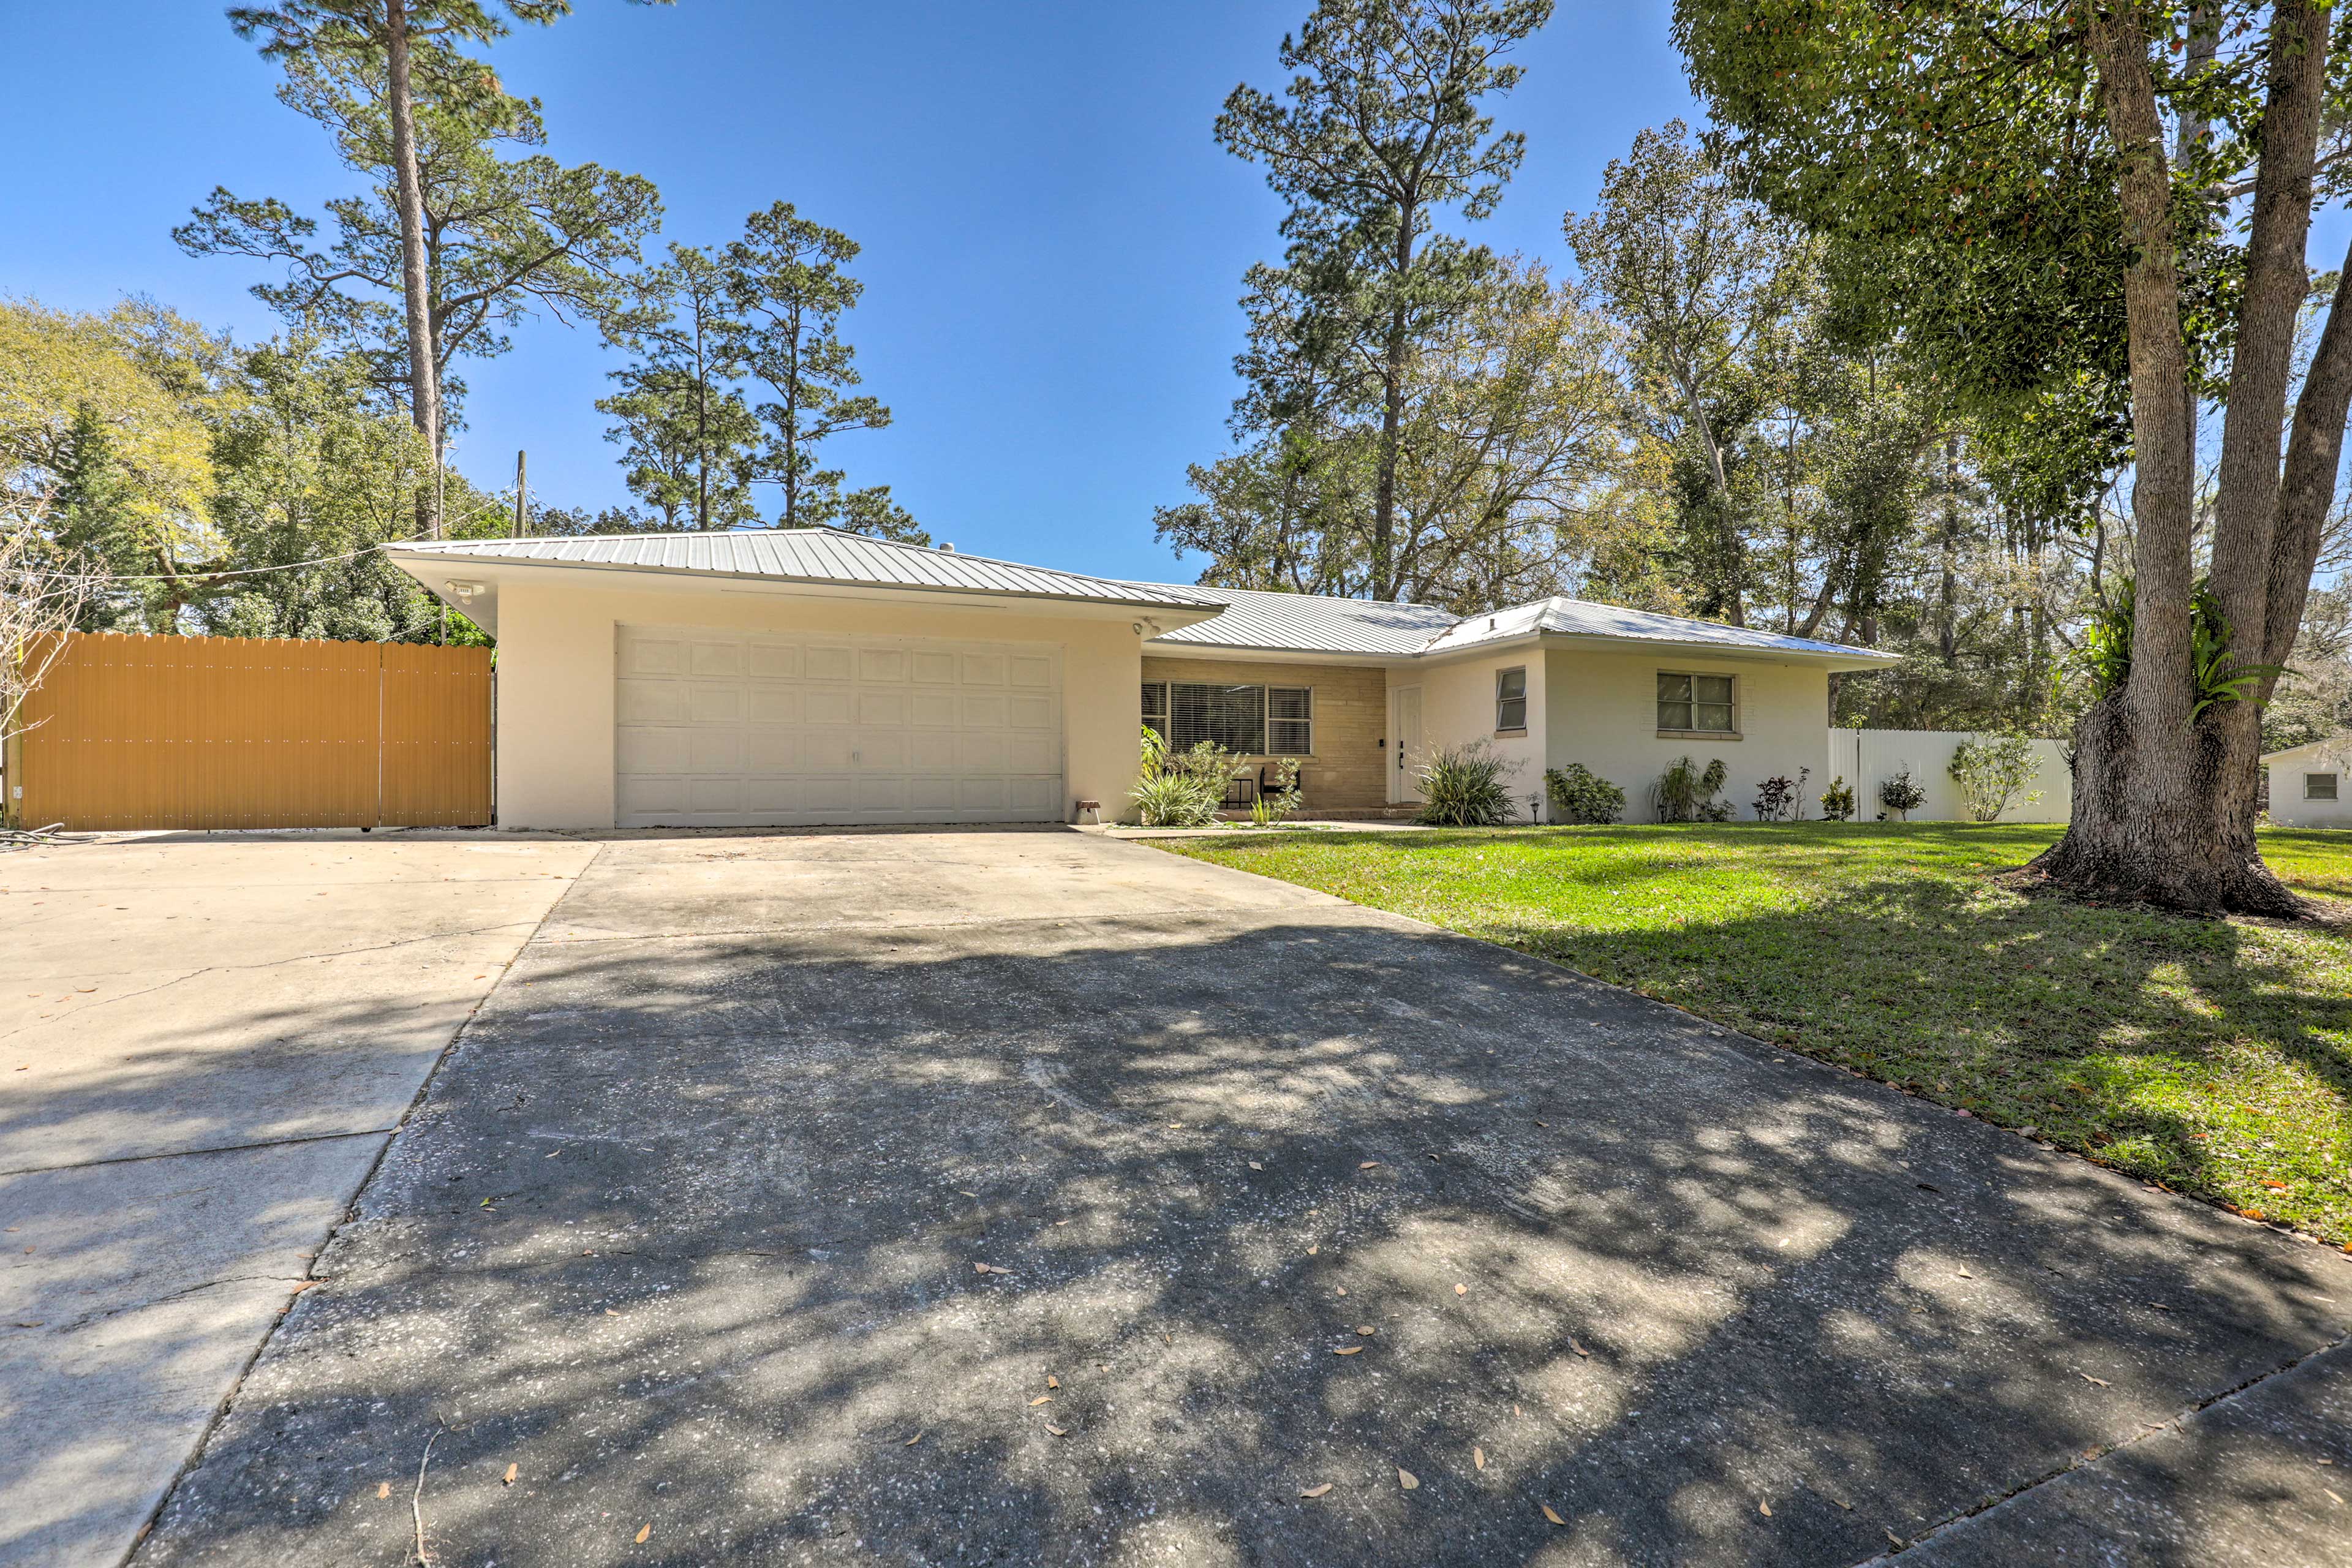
x: 2311, y: 784
x: 808, y: 676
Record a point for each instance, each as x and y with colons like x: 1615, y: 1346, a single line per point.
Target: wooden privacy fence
x: 172, y: 732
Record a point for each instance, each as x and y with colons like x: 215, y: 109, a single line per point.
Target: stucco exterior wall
x: 2289, y: 809
x: 555, y: 682
x: 1601, y: 710
x: 1457, y: 706
x: 1351, y: 718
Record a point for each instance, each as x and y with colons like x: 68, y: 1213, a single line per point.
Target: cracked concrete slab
x: 204, y: 1042
x: 691, y: 1228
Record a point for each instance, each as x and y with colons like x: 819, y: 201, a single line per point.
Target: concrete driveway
x: 206, y: 1041
x: 1031, y: 1198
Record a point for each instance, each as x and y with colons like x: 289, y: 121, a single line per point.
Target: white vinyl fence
x: 1867, y: 758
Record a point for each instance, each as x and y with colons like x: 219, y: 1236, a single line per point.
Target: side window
x: 1511, y: 699
x: 1155, y: 707
x: 1696, y: 704
x: 1290, y: 721
x: 2319, y: 786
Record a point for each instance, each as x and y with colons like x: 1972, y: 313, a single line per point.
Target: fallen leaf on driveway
x: 991, y: 1268
x: 1577, y: 1348
x: 2100, y: 1381
x: 1461, y: 1289
x: 1551, y: 1516
x: 1341, y: 1288
x: 1898, y: 1541
x: 1057, y: 1431
x: 383, y: 1488
x: 2333, y: 1497
x: 1053, y: 1381
x: 1041, y: 1399
x: 1349, y: 1350
x: 1408, y: 1481
x: 643, y: 1532
x: 1255, y: 1166
x: 1367, y: 1164
x: 1765, y: 1509
x: 1315, y: 1491
x: 512, y: 1471
x: 1478, y: 1457
x: 912, y: 1441
x: 1313, y: 1251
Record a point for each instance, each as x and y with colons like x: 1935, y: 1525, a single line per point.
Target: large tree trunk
x: 2152, y: 815
x: 423, y: 385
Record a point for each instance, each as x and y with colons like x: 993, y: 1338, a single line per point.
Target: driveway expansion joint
x: 288, y: 1142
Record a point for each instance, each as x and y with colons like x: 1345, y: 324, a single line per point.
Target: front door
x: 1405, y: 783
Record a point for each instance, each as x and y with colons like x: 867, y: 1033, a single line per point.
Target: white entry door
x: 1405, y: 781
x: 750, y: 728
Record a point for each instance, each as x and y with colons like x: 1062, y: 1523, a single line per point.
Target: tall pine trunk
x: 424, y: 382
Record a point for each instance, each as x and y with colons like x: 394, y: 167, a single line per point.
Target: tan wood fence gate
x: 195, y: 732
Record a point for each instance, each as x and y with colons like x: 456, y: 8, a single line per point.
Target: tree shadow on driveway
x: 689, y: 1232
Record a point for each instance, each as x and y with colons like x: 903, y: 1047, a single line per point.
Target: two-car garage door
x: 723, y: 728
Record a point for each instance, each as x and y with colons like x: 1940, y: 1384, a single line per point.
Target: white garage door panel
x: 756, y: 730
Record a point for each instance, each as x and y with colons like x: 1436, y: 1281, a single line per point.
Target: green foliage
x: 515, y: 233
x: 2200, y: 1054
x: 686, y: 434
x: 1578, y: 794
x: 1990, y: 770
x: 1181, y: 789
x: 1781, y: 798
x: 2218, y: 676
x: 1687, y: 793
x: 1837, y: 800
x: 1280, y: 801
x: 1902, y: 793
x: 1466, y: 786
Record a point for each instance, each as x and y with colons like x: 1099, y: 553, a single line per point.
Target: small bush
x: 1466, y: 786
x: 1579, y: 794
x: 1837, y: 800
x: 1280, y: 802
x: 1781, y: 798
x: 1181, y: 789
x: 1901, y: 794
x: 1990, y: 770
x: 1686, y: 793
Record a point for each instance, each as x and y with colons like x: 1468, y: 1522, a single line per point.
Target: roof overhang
x: 470, y: 584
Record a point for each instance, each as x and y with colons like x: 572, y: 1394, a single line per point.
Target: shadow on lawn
x: 2041, y: 1010
x: 687, y: 1233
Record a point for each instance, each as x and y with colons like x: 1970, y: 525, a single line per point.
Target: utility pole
x: 522, y: 507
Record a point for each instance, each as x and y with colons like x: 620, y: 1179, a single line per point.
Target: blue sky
x: 1053, y: 242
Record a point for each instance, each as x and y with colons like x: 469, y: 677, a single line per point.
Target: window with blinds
x: 1254, y: 721
x: 2319, y: 786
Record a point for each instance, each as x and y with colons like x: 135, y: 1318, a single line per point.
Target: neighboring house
x: 2311, y: 784
x: 781, y: 677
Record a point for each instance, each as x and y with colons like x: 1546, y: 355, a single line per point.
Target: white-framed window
x: 1255, y: 720
x: 1511, y: 698
x: 1692, y: 704
x: 2319, y: 786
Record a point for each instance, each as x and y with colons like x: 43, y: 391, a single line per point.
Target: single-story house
x: 810, y: 676
x: 2308, y: 783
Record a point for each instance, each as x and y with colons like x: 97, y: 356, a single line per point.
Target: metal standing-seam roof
x: 811, y: 555
x: 1582, y: 617
x: 1305, y: 623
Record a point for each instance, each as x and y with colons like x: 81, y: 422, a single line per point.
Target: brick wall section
x: 1346, y: 772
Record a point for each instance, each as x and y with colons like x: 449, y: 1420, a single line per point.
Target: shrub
x: 1901, y: 794
x: 1181, y: 789
x: 1579, y: 794
x: 1278, y: 804
x: 1465, y: 786
x: 1781, y: 798
x: 1686, y: 793
x: 1837, y: 800
x: 1990, y: 770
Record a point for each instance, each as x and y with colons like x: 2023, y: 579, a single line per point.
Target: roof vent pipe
x: 947, y: 548
x: 1490, y: 623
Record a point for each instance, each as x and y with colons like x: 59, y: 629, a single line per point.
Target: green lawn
x: 2212, y: 1056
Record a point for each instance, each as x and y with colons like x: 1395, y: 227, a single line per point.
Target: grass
x: 2214, y: 1057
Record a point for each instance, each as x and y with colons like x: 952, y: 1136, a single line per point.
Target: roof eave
x: 421, y: 564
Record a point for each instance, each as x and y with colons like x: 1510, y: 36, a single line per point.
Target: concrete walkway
x: 1035, y: 1197
x: 206, y: 1041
